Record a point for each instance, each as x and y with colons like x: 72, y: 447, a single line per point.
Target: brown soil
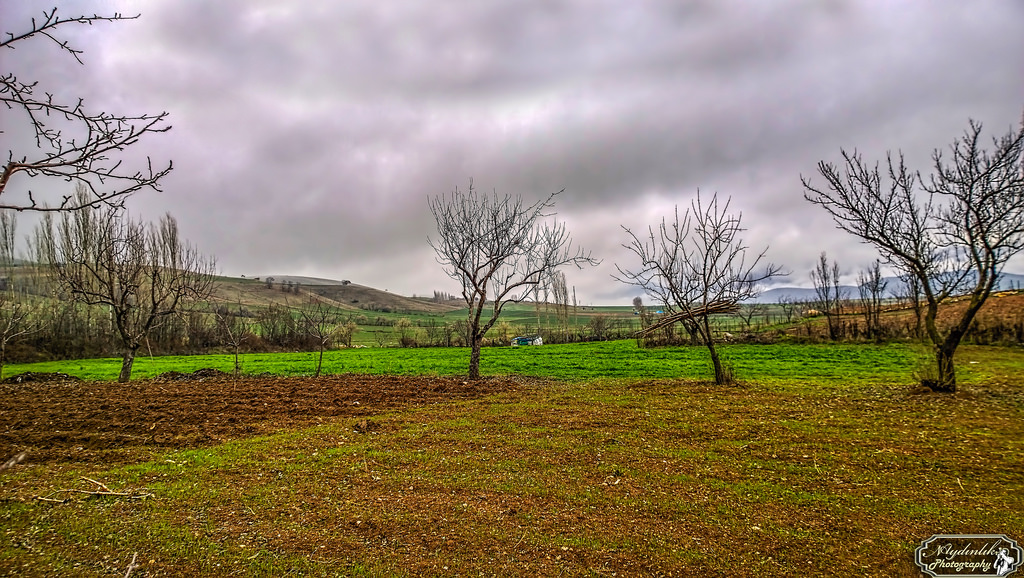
x: 29, y: 376
x: 64, y: 420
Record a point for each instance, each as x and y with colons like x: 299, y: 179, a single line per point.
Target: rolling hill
x: 294, y: 290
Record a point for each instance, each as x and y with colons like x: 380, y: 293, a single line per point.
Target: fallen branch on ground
x: 103, y: 491
x: 132, y: 565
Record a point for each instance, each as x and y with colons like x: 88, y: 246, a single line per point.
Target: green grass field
x: 824, y: 363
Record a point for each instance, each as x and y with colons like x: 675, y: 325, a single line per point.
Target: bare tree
x: 696, y: 265
x: 405, y: 331
x: 598, y: 326
x: 956, y: 238
x: 789, y: 306
x: 234, y: 328
x: 277, y: 325
x: 72, y: 142
x: 498, y: 249
x: 448, y: 332
x: 747, y: 313
x: 830, y: 294
x: 871, y: 287
x: 575, y: 310
x: 318, y: 321
x: 143, y: 273
x: 560, y: 293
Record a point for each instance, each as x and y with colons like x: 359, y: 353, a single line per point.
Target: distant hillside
x: 291, y: 289
x: 778, y: 294
x: 893, y: 288
x: 305, y: 280
x: 376, y: 300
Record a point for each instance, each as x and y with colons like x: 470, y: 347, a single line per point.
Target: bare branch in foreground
x: 71, y: 142
x: 103, y: 491
x: 132, y: 565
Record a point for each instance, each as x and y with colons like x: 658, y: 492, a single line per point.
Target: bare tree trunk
x: 917, y: 317
x: 474, y: 357
x: 946, y: 379
x: 720, y: 377
x: 320, y: 361
x: 126, y: 365
x: 716, y: 361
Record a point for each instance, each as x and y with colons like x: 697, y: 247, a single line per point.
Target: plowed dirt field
x: 56, y: 419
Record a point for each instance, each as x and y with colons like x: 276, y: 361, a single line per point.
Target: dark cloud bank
x: 308, y: 136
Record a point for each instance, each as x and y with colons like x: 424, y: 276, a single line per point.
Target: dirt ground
x: 59, y: 419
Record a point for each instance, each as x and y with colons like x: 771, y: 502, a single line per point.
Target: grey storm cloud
x: 308, y: 136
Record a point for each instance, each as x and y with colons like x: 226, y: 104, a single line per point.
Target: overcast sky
x: 307, y: 136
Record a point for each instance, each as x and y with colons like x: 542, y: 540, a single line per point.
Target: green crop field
x: 834, y: 364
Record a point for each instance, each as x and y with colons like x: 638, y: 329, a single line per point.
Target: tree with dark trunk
x: 955, y: 239
x: 143, y: 273
x: 71, y: 142
x: 697, y: 265
x: 498, y: 249
x: 560, y: 293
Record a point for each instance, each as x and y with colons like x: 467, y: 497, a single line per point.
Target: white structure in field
x: 527, y: 340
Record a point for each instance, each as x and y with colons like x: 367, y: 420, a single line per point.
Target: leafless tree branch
x: 696, y: 266
x: 952, y: 232
x: 498, y: 249
x: 144, y: 273
x: 72, y: 142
